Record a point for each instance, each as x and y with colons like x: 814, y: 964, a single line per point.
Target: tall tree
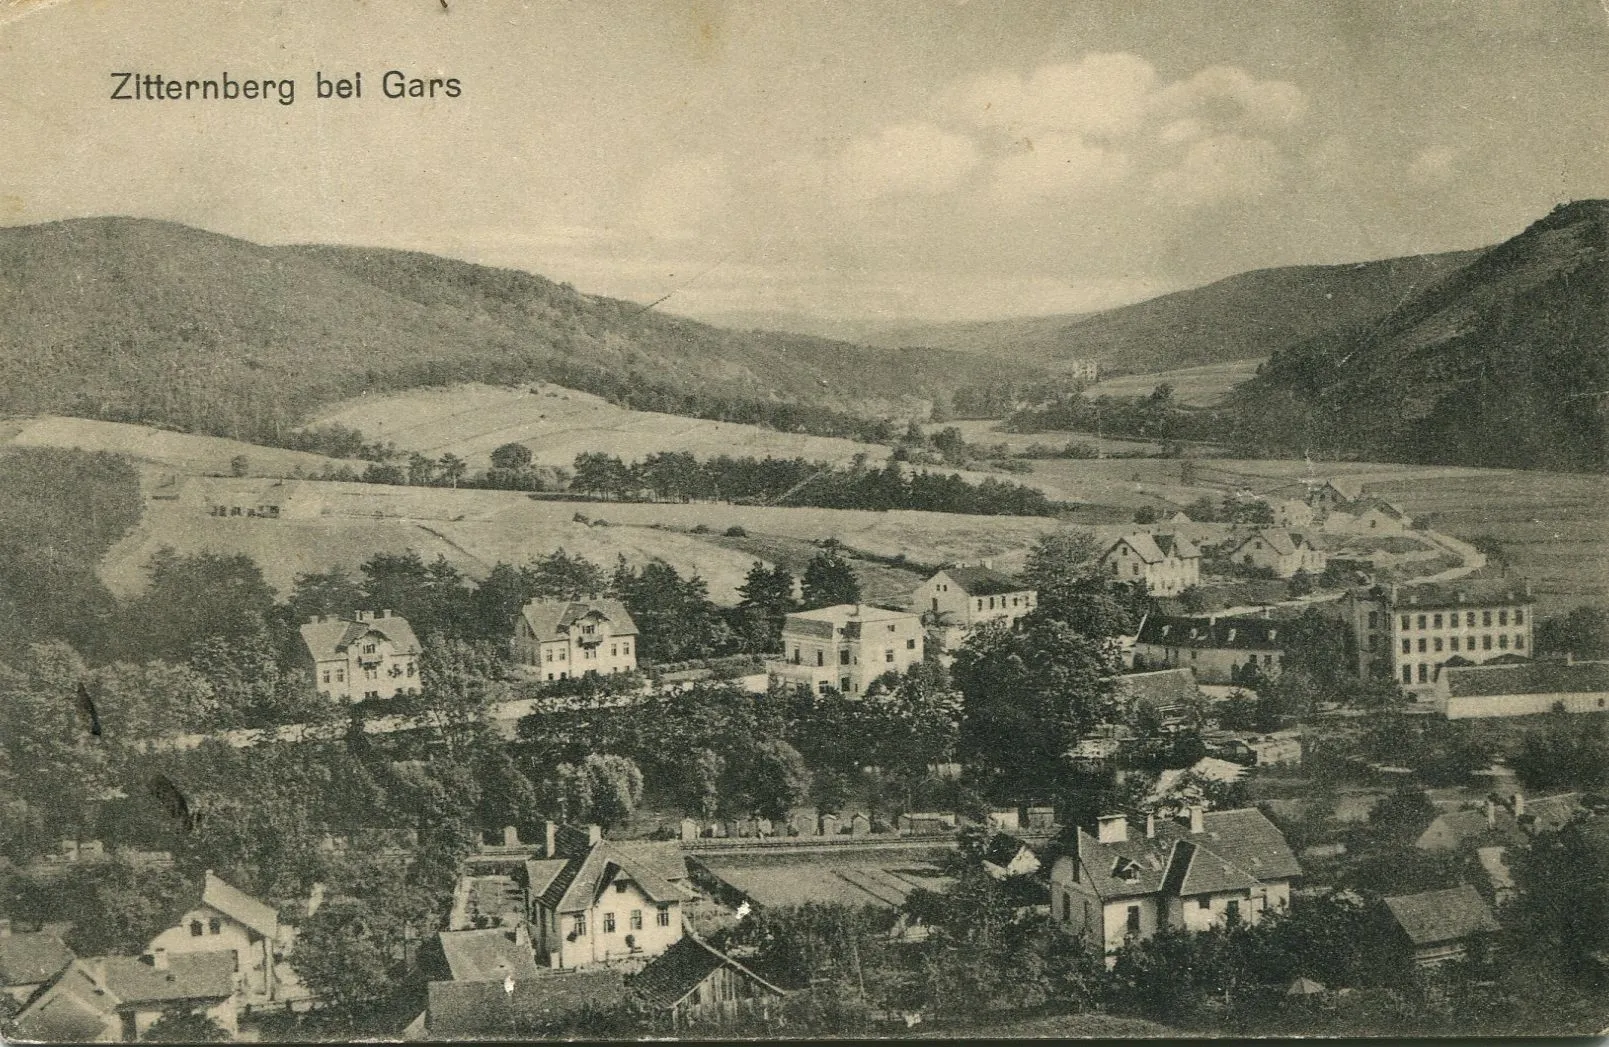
x: 829, y: 580
x: 766, y: 598
x: 511, y: 456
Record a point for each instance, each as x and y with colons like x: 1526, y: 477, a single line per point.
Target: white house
x: 1121, y: 884
x: 227, y: 920
x: 1283, y: 552
x: 363, y: 657
x: 847, y: 646
x: 1525, y: 688
x: 959, y: 598
x: 559, y: 639
x: 1167, y: 563
x: 1408, y: 632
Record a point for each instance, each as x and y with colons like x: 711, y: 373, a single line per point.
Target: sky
x: 869, y: 161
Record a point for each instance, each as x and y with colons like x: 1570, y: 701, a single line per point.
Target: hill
x: 1242, y: 317
x: 1504, y: 362
x: 134, y: 320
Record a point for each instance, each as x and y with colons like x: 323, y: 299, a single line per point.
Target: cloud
x: 1055, y: 166
x: 1433, y: 167
x: 1222, y: 167
x: 910, y: 158
x: 1102, y: 95
x: 675, y: 198
x: 1231, y: 99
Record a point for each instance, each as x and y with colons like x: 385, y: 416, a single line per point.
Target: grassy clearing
x: 161, y: 449
x: 1202, y: 386
x: 988, y: 432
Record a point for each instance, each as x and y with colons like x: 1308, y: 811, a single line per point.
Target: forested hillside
x: 136, y: 320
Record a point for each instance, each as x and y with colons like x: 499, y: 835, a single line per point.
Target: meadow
x: 1204, y: 386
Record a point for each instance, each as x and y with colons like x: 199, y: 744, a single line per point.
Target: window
x: 326, y: 676
x: 1203, y: 902
x: 1519, y: 642
x: 843, y: 657
x: 1469, y: 620
x: 980, y: 605
x: 1421, y: 621
x: 621, y: 885
x: 843, y: 684
x: 608, y: 923
x: 1519, y: 617
x: 664, y: 916
x: 340, y: 676
x: 1134, y: 919
x: 1405, y: 621
x: 821, y: 657
x: 888, y: 655
x: 1374, y: 619
x: 1232, y: 910
x: 1421, y: 645
x: 1486, y: 618
x: 548, y: 656
x: 636, y: 919
x: 368, y: 648
x: 1502, y: 617
x: 1438, y: 644
x: 625, y: 648
x: 910, y: 645
x: 1407, y: 674
x: 796, y: 656
x: 581, y: 926
x: 1424, y: 672
x: 195, y: 928
x: 371, y: 674
x: 1407, y: 645
x: 1436, y: 622
x: 614, y: 650
x: 1486, y: 642
x: 1502, y: 641
x: 564, y: 654
x: 214, y: 926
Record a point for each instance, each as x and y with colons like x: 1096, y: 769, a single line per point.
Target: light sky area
x: 868, y: 161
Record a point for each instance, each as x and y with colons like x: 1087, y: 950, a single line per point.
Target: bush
x: 736, y: 532
x: 700, y: 529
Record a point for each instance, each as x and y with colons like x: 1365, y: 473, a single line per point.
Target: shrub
x: 701, y: 529
x: 736, y: 532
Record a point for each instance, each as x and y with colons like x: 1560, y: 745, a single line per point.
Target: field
x: 342, y: 524
x: 558, y: 423
x: 160, y: 450
x: 1202, y: 386
x: 987, y: 433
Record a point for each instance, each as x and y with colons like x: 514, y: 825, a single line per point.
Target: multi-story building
x: 1167, y: 563
x: 959, y: 598
x: 1122, y: 885
x: 1408, y: 632
x: 847, y: 646
x: 563, y: 638
x: 1219, y: 650
x: 364, y: 656
x: 1283, y: 552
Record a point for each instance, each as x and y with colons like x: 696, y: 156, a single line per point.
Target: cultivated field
x: 342, y: 524
x: 160, y: 449
x: 987, y: 433
x: 558, y: 423
x: 1197, y: 386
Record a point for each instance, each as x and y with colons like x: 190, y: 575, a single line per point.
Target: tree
x: 350, y: 952
x: 453, y: 468
x: 1562, y: 909
x: 766, y: 598
x: 192, y: 598
x: 675, y: 618
x: 829, y: 580
x: 1583, y: 632
x: 1060, y: 564
x: 603, y: 788
x: 239, y: 465
x: 180, y: 1024
x: 773, y: 778
x: 511, y: 456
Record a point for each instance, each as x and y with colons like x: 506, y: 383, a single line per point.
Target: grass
x: 161, y: 449
x: 1203, y: 386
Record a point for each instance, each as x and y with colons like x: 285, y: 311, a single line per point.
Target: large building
x: 1274, y: 549
x: 1522, y: 689
x: 1168, y: 564
x: 1123, y: 883
x: 559, y: 639
x: 1220, y: 650
x: 959, y: 598
x: 847, y: 646
x: 364, y: 656
x: 1408, y: 632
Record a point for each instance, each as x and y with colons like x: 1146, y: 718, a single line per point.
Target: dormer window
x: 1125, y: 869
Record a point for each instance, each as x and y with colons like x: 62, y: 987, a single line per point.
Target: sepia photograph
x: 779, y: 519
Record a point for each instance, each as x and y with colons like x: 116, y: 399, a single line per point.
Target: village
x: 1156, y: 731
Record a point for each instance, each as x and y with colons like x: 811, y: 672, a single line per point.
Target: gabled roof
x: 75, y: 1008
x: 679, y: 970
x: 32, y: 958
x: 460, y: 1009
x: 1002, y: 849
x: 552, y: 619
x: 1247, y: 634
x: 983, y: 581
x: 541, y: 872
x: 1344, y: 486
x: 577, y: 886
x: 1468, y: 593
x: 1239, y: 848
x: 480, y: 955
x: 1155, y: 548
x: 239, y: 906
x: 1480, y: 681
x: 328, y: 638
x: 1280, y: 541
x: 190, y: 976
x: 1449, y: 915
x: 1248, y: 839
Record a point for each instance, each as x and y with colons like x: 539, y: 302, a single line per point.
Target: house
x: 1436, y: 926
x: 693, y: 983
x: 1465, y: 692
x: 73, y: 1007
x: 559, y: 639
x: 593, y: 900
x: 227, y: 920
x: 515, y: 1008
x: 1171, y: 694
x: 1288, y: 512
x: 966, y: 596
x: 1273, y: 549
x: 1168, y: 564
x: 1005, y: 855
x: 1333, y: 494
x: 28, y: 960
x: 847, y: 646
x: 1408, y: 632
x: 1119, y: 886
x: 1500, y: 822
x: 491, y: 954
x: 1369, y: 516
x: 1218, y: 650
x: 365, y: 656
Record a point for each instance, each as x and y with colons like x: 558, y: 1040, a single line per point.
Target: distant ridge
x: 1502, y: 362
x: 1244, y: 317
x: 139, y: 320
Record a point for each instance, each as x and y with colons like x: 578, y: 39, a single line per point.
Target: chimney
x: 1198, y: 820
x: 159, y: 959
x: 550, y: 832
x: 1491, y: 813
x: 594, y: 835
x: 1150, y: 826
x: 511, y: 836
x: 1519, y: 805
x: 1111, y: 828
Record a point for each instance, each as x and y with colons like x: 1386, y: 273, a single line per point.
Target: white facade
x: 1167, y: 564
x: 560, y: 639
x: 1407, y: 633
x: 847, y: 646
x: 366, y: 656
